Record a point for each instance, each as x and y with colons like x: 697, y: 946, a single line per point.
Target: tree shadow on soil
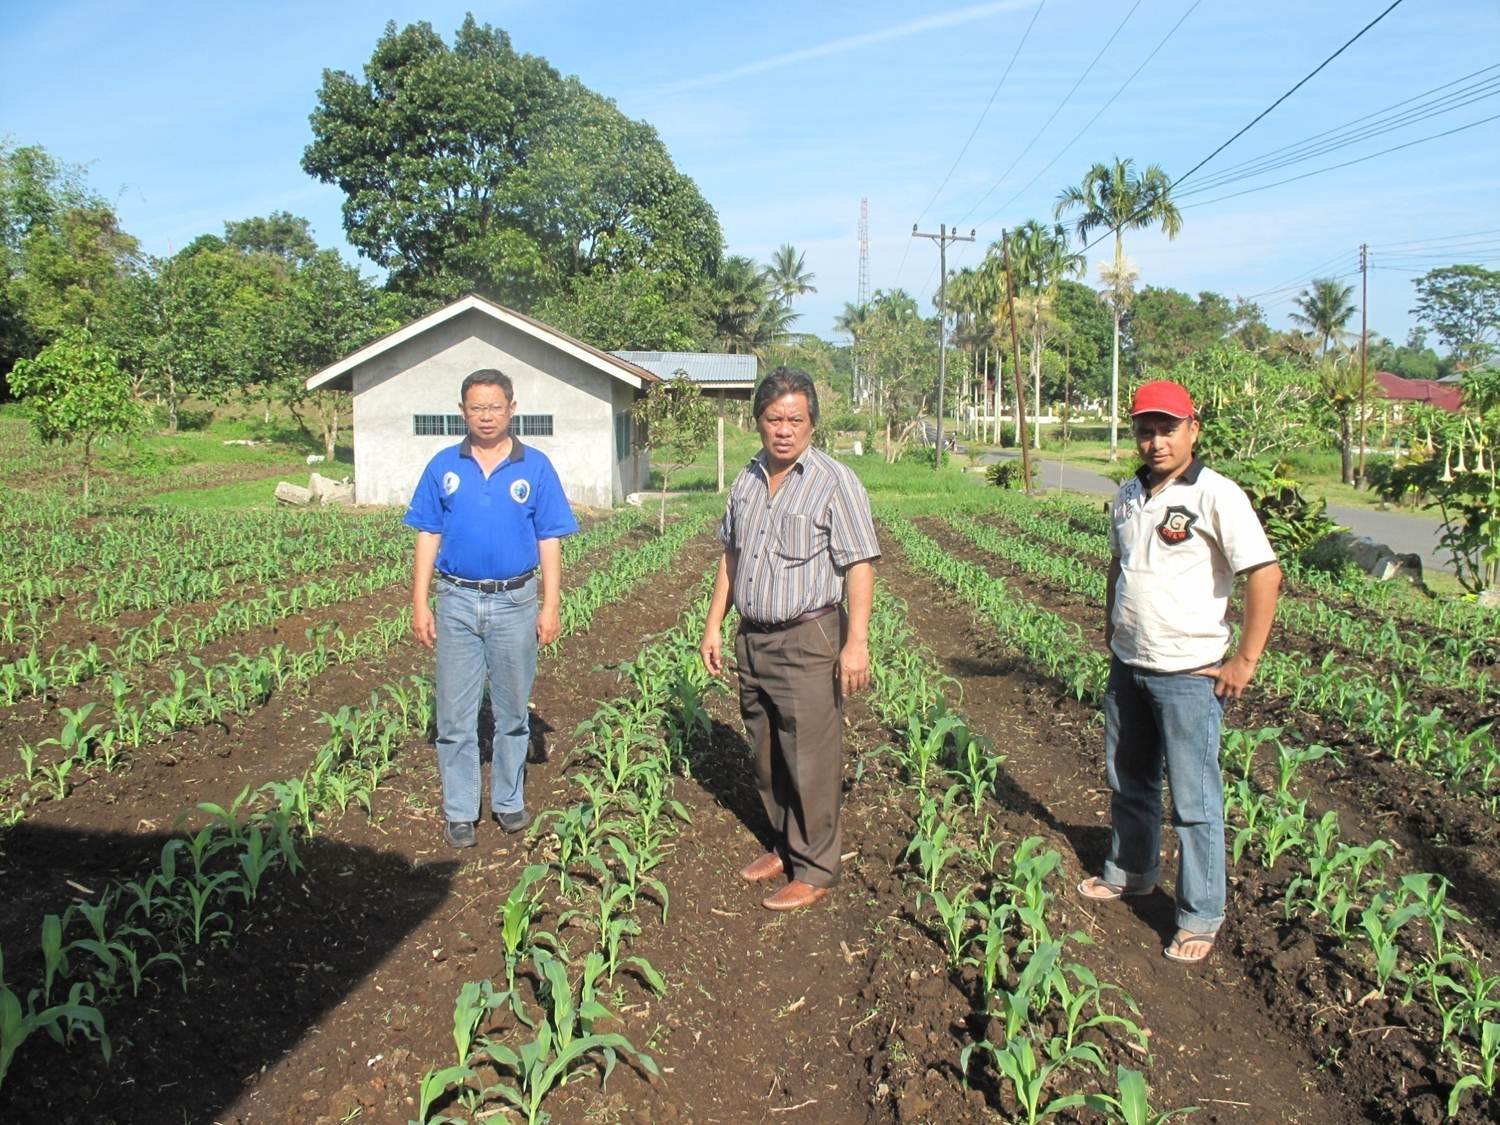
x: 293, y: 954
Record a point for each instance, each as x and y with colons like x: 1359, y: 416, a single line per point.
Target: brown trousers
x: 793, y: 713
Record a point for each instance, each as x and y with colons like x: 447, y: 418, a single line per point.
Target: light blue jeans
x: 1151, y: 720
x: 479, y: 636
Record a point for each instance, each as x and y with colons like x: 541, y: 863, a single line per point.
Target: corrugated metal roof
x: 701, y: 367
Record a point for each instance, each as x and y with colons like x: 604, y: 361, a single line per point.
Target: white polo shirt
x: 1179, y: 552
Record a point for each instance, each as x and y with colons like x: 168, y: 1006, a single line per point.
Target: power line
x: 1237, y: 169
x: 1099, y: 113
x: 993, y: 95
x: 1258, y: 117
x: 1066, y: 97
x: 1307, y: 150
x: 1313, y: 272
x: 1346, y: 163
x: 1436, y: 238
x: 1303, y: 82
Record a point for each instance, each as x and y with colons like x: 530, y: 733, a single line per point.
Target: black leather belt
x: 748, y: 626
x: 488, y: 585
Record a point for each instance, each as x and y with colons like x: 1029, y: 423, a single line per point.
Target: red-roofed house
x: 1428, y: 392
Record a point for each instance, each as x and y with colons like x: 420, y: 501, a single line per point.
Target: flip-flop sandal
x: 1183, y: 938
x: 1097, y: 889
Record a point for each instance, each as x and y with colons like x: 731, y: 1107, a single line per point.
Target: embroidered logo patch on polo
x: 1176, y: 525
x: 520, y: 490
x: 450, y: 483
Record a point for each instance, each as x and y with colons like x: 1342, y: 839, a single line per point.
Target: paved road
x: 1403, y: 533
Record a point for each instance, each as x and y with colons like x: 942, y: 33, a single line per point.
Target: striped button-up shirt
x: 794, y: 547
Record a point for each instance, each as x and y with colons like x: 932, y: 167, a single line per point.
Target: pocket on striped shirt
x: 795, y: 538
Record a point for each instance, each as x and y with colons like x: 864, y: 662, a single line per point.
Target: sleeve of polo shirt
x: 425, y: 512
x: 851, y: 529
x: 553, y: 518
x: 726, y: 525
x: 1240, y: 534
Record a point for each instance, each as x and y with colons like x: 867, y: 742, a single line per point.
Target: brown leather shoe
x: 794, y: 896
x: 766, y: 867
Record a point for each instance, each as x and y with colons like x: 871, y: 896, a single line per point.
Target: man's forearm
x: 550, y: 551
x: 1262, y: 587
x: 859, y: 585
x: 719, y: 601
x: 423, y: 564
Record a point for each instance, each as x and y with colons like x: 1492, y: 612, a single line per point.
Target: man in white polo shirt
x: 1180, y: 533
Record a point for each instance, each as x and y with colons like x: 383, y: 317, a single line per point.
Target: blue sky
x: 786, y: 114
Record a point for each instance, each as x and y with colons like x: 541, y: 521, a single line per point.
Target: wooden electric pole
x: 1364, y: 348
x: 942, y: 238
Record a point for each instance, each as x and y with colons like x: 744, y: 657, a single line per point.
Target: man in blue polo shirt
x: 489, y: 512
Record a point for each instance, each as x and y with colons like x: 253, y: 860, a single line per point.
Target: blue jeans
x: 481, y: 635
x: 1153, y: 719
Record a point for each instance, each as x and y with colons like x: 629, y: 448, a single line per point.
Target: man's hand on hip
x: 423, y: 627
x: 548, y: 624
x: 854, y: 667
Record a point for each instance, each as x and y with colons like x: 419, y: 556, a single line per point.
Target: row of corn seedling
x: 1444, y: 660
x: 1382, y: 709
x: 92, y: 952
x: 1273, y: 824
x: 992, y: 913
x: 601, y: 854
x: 196, y: 693
x: 33, y: 674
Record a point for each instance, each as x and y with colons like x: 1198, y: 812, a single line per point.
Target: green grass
x: 243, y: 494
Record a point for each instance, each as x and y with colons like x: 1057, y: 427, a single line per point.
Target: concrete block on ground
x: 289, y: 493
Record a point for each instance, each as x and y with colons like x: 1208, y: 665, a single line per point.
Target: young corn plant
x: 1131, y: 1104
x: 1489, y: 1068
x: 565, y: 1040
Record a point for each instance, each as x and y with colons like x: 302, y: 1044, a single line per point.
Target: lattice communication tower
x: 863, y: 295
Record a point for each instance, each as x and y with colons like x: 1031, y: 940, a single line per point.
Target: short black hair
x: 786, y: 381
x: 488, y: 377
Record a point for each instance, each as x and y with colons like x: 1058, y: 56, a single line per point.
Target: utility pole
x: 1015, y: 365
x: 1364, y: 348
x: 942, y: 238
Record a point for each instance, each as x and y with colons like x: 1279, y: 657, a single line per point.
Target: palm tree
x: 787, y: 274
x: 1040, y: 258
x: 1113, y: 197
x: 852, y: 322
x: 1324, y: 309
x: 740, y: 298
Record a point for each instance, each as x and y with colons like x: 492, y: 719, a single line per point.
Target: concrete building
x: 572, y: 401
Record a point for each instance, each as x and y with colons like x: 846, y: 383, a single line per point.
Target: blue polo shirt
x: 490, y: 525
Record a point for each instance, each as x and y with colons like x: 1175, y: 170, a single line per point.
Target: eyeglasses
x: 484, y: 409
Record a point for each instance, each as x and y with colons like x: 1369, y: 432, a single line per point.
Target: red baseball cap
x: 1163, y: 397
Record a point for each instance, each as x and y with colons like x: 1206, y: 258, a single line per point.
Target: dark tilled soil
x: 337, y: 992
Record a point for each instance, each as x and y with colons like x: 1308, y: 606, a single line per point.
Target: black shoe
x: 512, y: 821
x: 459, y: 834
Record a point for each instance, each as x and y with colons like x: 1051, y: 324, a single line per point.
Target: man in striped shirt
x: 797, y: 537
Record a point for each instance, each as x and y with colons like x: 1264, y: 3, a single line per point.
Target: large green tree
x: 1462, y: 305
x: 479, y: 167
x: 1166, y: 326
x: 1114, y: 197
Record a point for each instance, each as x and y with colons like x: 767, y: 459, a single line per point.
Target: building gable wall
x: 424, y: 375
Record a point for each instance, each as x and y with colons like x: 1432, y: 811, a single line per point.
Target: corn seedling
x: 1131, y: 1106
x: 1489, y: 1065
